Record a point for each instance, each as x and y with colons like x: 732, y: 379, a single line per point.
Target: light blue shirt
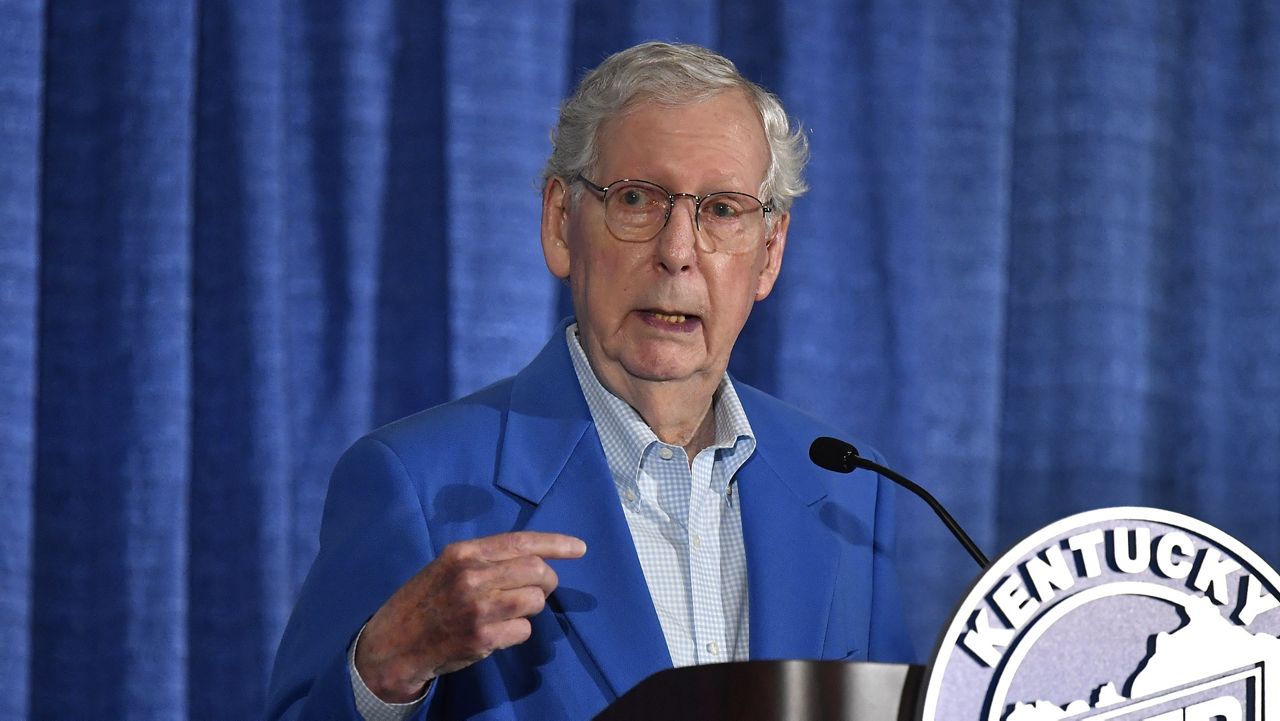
x: 684, y: 518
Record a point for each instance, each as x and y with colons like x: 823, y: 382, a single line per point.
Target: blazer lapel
x: 551, y: 456
x: 792, y: 561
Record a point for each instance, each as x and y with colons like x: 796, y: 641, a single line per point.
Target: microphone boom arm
x: 915, y: 488
x: 842, y: 457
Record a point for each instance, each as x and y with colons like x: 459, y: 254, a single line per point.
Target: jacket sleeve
x: 373, y: 538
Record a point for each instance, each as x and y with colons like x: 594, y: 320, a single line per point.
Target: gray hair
x: 672, y: 75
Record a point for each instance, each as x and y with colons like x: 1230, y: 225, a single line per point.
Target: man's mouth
x: 663, y: 318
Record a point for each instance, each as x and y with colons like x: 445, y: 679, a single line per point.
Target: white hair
x: 672, y: 74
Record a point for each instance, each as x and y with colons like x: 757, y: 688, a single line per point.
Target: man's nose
x: 677, y: 242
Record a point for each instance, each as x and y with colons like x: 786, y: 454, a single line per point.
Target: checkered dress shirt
x: 685, y: 520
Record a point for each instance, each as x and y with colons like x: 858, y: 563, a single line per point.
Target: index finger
x: 504, y: 546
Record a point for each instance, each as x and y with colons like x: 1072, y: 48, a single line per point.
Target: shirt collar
x: 626, y: 436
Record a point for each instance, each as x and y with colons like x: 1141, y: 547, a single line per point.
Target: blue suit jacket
x: 524, y: 454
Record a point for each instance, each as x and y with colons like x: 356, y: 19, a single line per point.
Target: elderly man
x: 679, y: 509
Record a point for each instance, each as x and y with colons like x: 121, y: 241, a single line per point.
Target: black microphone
x: 834, y: 454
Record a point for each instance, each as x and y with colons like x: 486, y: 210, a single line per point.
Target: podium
x: 1122, y: 614
x: 771, y: 690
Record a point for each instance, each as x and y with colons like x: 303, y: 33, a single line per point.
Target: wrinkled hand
x: 472, y: 600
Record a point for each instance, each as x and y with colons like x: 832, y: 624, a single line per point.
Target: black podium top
x: 774, y: 690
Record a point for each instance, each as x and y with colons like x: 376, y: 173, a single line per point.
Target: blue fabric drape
x: 1039, y: 268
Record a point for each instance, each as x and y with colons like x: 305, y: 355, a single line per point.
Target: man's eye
x: 632, y: 198
x: 725, y: 210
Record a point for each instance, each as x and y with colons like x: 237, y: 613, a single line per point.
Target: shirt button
x: 629, y: 494
x: 666, y: 453
x: 713, y: 648
x: 697, y: 541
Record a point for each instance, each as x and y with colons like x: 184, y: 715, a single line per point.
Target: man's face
x: 664, y: 310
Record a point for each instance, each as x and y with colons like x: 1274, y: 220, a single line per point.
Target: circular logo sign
x: 1123, y: 614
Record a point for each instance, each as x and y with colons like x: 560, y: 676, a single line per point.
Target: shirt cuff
x: 368, y: 704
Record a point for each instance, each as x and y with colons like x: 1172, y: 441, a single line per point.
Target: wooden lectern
x: 774, y: 691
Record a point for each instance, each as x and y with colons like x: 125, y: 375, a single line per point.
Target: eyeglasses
x: 635, y: 211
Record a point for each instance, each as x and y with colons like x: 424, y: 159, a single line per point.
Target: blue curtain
x: 1039, y: 269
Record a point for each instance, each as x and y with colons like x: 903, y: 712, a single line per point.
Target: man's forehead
x: 738, y: 119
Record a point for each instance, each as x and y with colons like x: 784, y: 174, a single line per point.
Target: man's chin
x: 664, y: 369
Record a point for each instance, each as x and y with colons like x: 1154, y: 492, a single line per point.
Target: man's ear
x: 555, y: 226
x: 775, y: 242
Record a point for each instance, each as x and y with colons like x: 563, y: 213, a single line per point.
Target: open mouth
x: 669, y: 319
x: 673, y: 318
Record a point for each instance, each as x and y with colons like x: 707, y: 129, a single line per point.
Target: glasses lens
x: 734, y: 221
x: 635, y: 210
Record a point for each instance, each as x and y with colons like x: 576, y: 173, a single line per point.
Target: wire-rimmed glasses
x: 635, y: 211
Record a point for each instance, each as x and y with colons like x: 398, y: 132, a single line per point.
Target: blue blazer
x: 524, y: 454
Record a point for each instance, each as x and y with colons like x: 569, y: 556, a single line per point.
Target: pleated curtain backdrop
x: 1039, y: 268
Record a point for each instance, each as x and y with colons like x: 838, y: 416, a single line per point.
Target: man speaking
x: 621, y: 505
